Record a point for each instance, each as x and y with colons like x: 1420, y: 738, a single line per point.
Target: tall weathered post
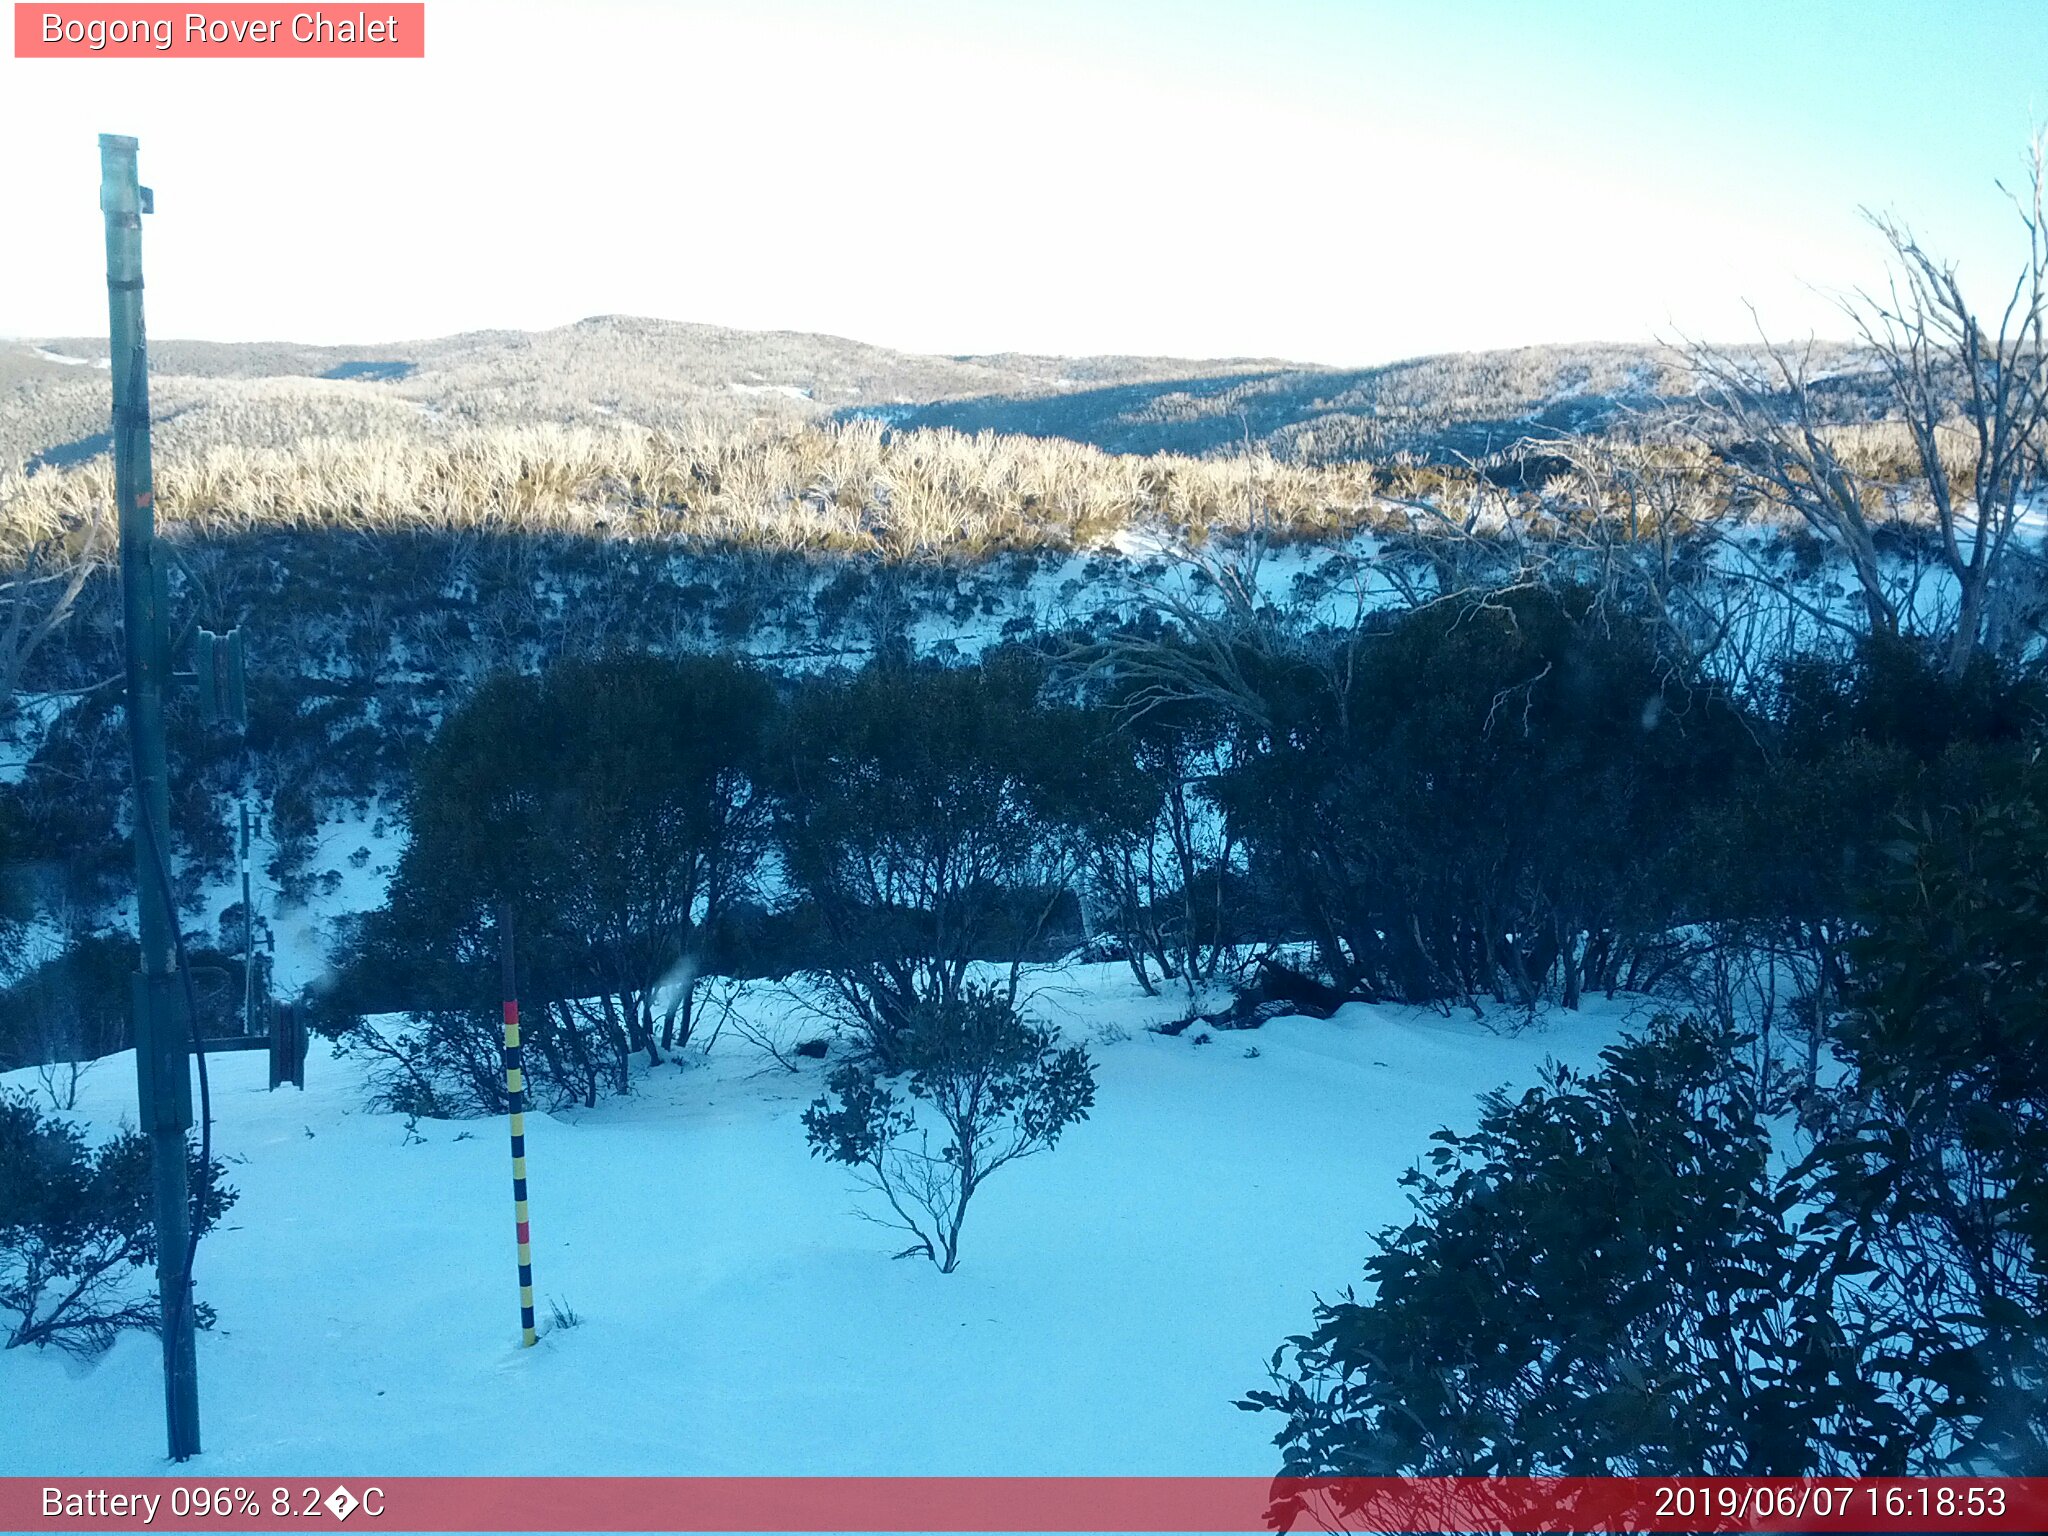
x: 248, y: 937
x: 162, y: 1032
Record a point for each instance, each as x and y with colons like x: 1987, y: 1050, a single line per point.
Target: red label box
x: 230, y: 31
x: 1703, y: 1506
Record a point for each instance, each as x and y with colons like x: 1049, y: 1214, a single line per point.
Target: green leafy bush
x: 1941, y: 1144
x: 1477, y: 797
x: 72, y: 1007
x: 76, y: 1228
x: 930, y: 818
x: 999, y: 1087
x: 614, y: 808
x: 1604, y: 1279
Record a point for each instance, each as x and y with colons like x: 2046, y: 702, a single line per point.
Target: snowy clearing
x: 737, y: 1316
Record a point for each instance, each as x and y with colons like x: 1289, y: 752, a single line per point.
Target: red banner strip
x: 377, y: 30
x: 987, y: 1504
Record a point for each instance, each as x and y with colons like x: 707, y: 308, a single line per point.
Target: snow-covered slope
x: 737, y: 1316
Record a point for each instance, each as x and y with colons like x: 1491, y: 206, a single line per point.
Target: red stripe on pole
x: 522, y: 1233
x: 1029, y: 1504
x: 512, y: 1011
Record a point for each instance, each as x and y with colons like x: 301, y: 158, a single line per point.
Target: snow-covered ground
x: 737, y: 1317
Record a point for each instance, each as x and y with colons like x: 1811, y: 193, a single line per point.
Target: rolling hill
x: 658, y: 373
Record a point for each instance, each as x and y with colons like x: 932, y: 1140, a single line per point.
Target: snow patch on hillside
x: 75, y: 362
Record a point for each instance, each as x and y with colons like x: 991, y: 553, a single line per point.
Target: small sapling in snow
x: 998, y: 1086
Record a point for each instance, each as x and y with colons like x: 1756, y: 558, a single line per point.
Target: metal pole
x: 515, y: 1098
x: 162, y: 1042
x: 248, y: 938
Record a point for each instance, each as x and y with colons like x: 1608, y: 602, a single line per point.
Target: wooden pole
x: 162, y: 1040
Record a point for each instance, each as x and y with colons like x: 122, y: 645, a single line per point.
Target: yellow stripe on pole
x: 515, y: 1110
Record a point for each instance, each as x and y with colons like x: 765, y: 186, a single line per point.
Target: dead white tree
x: 1632, y: 522
x: 1948, y: 371
x: 1972, y: 398
x: 1788, y: 452
x: 42, y: 575
x: 39, y: 589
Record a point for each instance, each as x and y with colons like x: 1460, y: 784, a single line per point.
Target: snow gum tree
x: 1969, y: 390
x: 614, y: 809
x: 928, y: 819
x: 1476, y: 797
x: 1164, y: 859
x: 981, y: 1088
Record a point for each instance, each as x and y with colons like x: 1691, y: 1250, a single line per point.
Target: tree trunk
x: 1969, y: 623
x: 1568, y: 956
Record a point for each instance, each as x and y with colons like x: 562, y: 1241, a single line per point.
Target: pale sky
x: 1341, y: 181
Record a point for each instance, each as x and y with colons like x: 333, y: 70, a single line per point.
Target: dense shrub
x: 66, y: 812
x: 1897, y: 693
x: 612, y: 810
x: 1776, y: 863
x: 73, y: 1007
x: 1609, y: 1277
x: 1479, y: 798
x: 1941, y: 1131
x: 1165, y: 865
x: 16, y: 905
x: 77, y: 1230
x: 1606, y: 1278
x: 930, y: 818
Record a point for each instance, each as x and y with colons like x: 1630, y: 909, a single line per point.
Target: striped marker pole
x: 515, y: 1098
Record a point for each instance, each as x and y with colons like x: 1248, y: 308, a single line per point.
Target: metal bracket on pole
x: 220, y: 679
x: 164, y: 1091
x: 288, y: 1048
